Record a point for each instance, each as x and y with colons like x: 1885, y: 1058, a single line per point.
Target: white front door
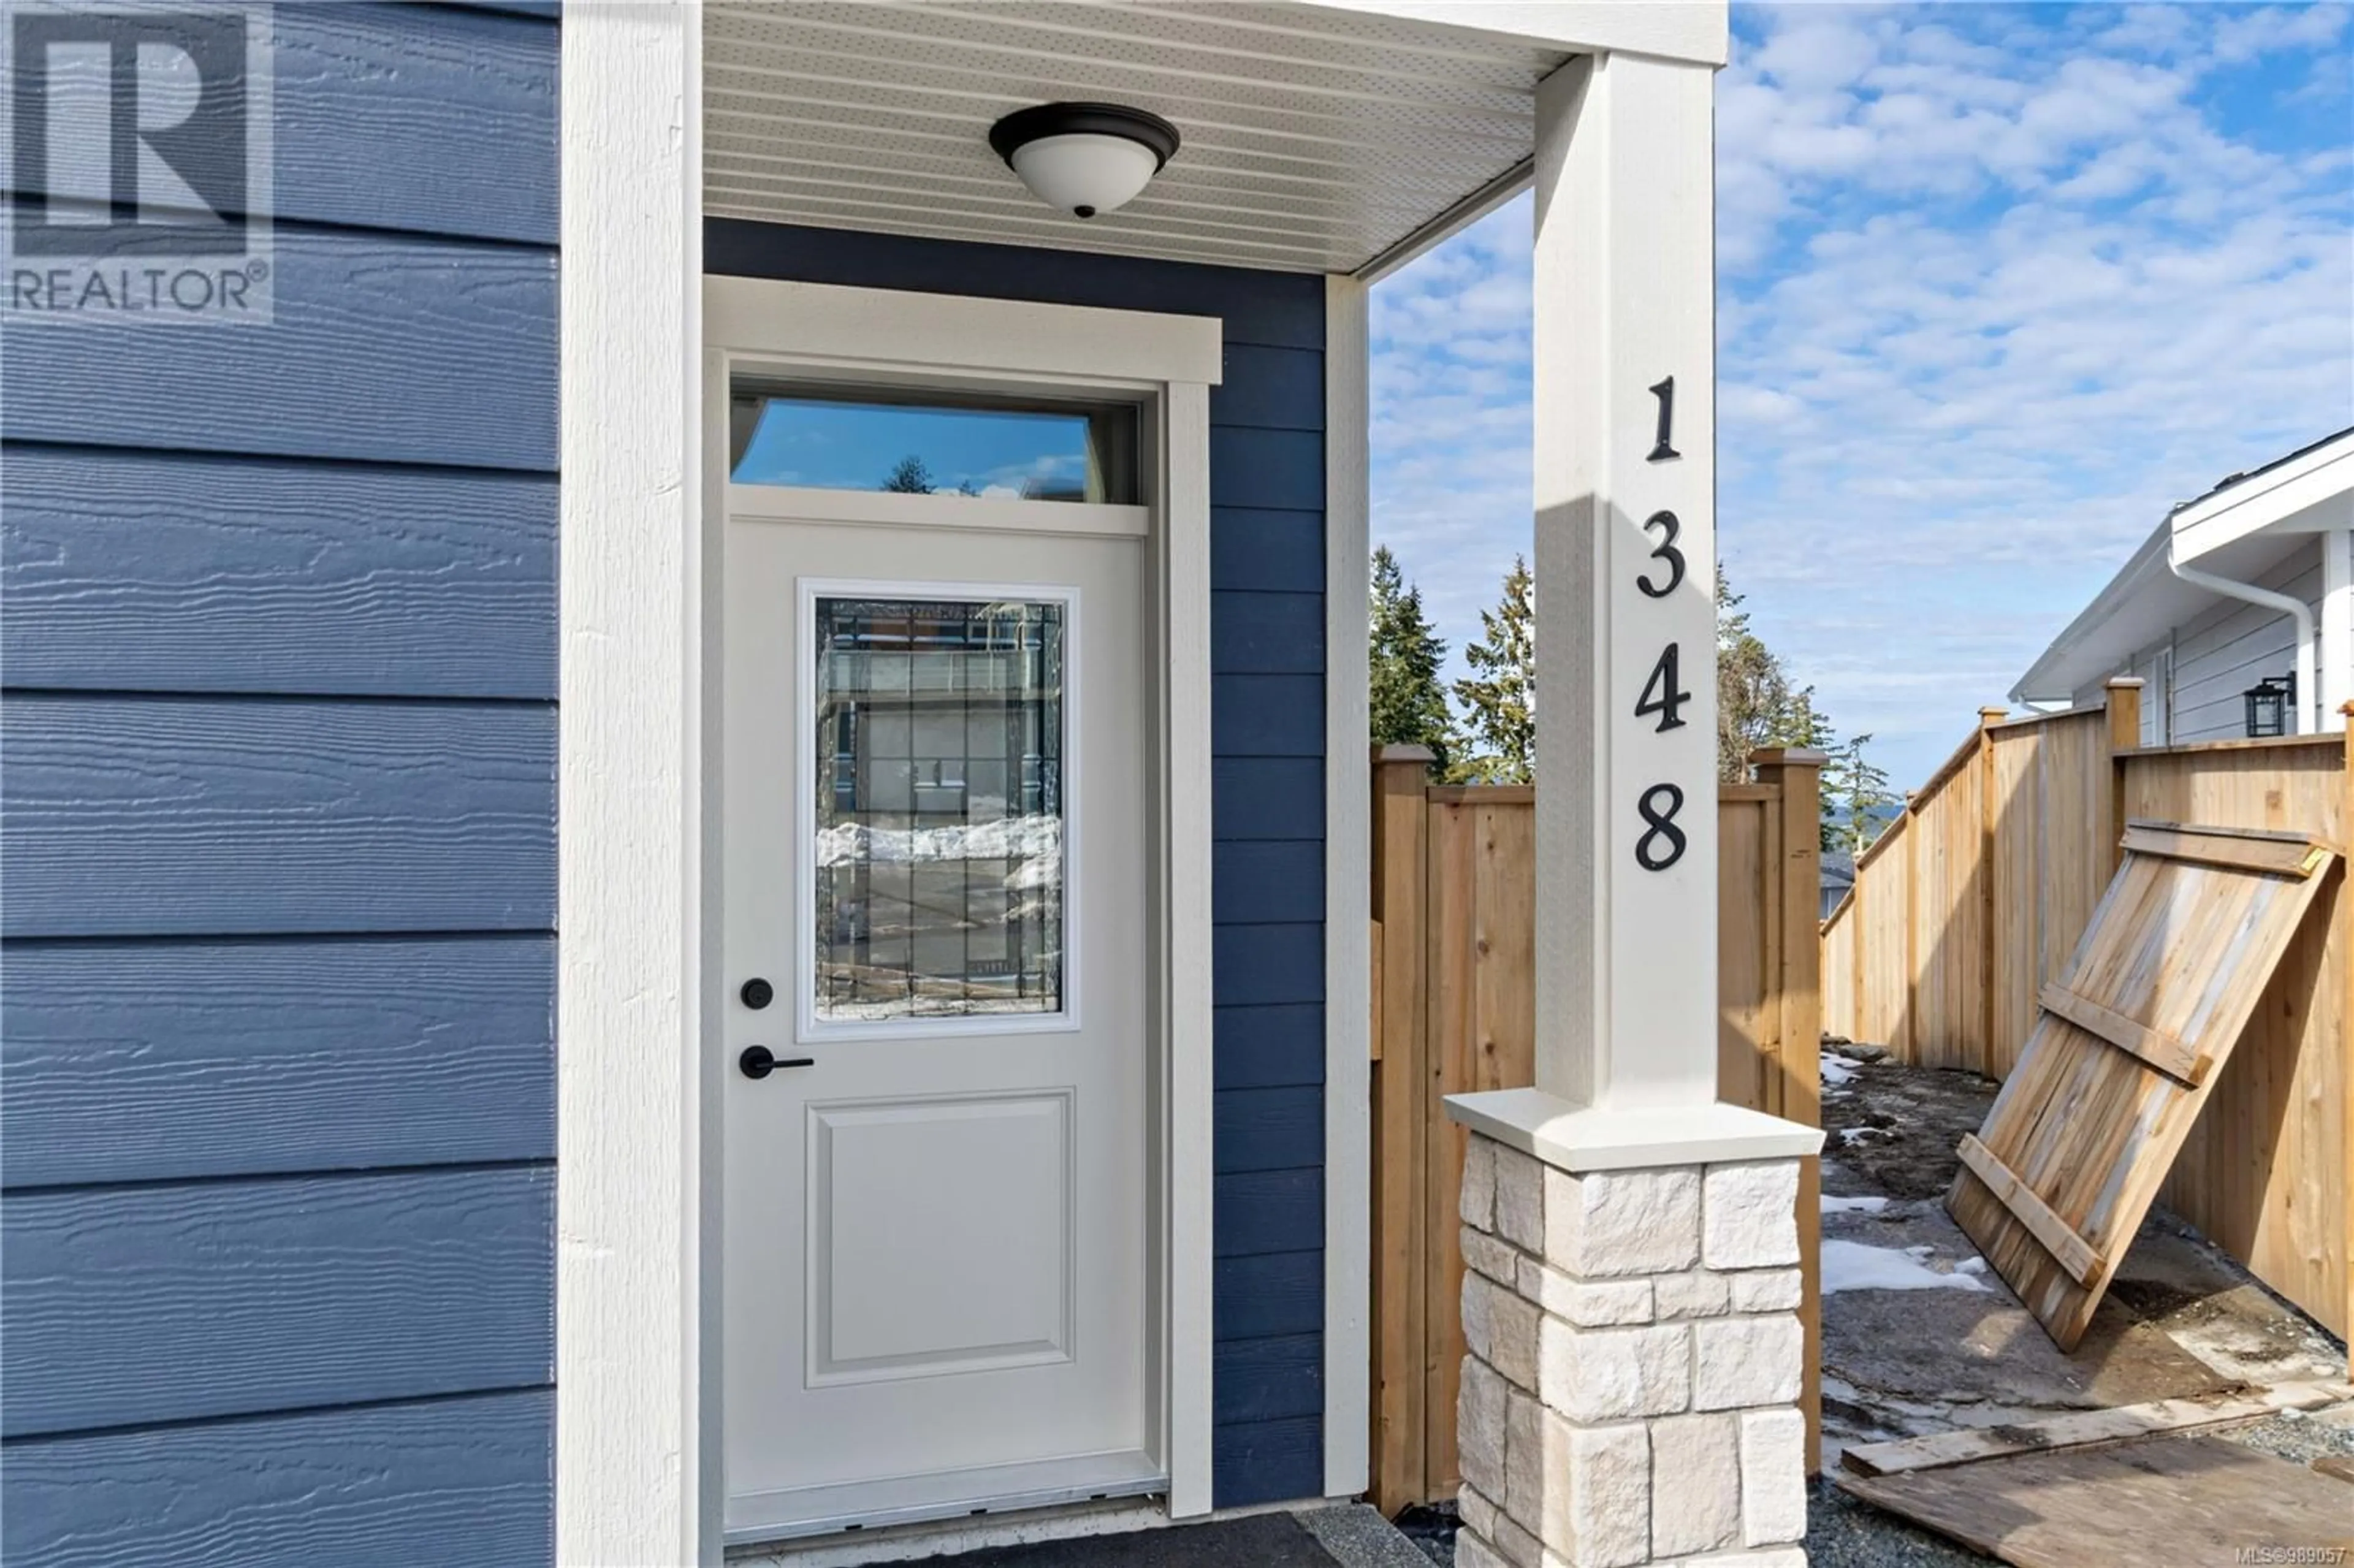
x: 938, y: 811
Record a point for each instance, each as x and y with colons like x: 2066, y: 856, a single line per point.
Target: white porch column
x: 1636, y: 1359
x: 2336, y: 626
x: 1626, y: 550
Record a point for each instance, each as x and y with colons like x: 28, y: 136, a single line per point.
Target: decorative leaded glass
x: 938, y: 855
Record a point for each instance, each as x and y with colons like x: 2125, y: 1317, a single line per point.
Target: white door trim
x: 858, y: 329
x: 954, y: 340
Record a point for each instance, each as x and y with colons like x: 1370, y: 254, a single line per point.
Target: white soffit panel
x: 1314, y: 138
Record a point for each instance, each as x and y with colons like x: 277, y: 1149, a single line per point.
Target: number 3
x: 1664, y: 551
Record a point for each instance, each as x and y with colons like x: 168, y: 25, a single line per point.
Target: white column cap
x: 1610, y: 1138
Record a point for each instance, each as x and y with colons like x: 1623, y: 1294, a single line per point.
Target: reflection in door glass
x: 938, y: 855
x: 940, y: 444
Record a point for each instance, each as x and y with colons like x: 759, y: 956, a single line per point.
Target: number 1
x: 1666, y: 393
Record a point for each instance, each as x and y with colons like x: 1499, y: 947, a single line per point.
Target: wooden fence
x: 1976, y: 896
x: 1455, y: 1009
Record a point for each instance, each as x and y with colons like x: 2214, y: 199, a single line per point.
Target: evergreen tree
x: 1855, y: 793
x: 1756, y: 705
x: 909, y: 476
x: 1409, y: 704
x: 1499, y: 696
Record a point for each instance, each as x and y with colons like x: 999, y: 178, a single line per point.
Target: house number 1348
x: 1663, y: 842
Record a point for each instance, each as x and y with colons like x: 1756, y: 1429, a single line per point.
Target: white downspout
x: 2336, y: 626
x: 2296, y: 609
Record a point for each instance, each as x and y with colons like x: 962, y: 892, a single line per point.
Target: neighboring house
x: 1838, y: 880
x: 2251, y: 582
x: 598, y: 968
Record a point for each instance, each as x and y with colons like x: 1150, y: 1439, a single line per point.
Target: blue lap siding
x: 277, y: 630
x: 1266, y: 659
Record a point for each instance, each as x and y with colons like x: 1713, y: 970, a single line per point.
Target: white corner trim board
x: 1348, y: 872
x: 1186, y: 953
x: 637, y: 1443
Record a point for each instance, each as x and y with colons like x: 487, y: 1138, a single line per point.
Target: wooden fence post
x: 1912, y: 928
x: 1860, y: 935
x: 2345, y: 1001
x: 2125, y: 734
x: 1798, y: 775
x: 1987, y: 718
x: 1400, y: 1121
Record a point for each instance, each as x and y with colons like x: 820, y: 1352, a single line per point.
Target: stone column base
x: 1631, y: 1391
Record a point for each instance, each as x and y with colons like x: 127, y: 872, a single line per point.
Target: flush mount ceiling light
x: 1085, y: 158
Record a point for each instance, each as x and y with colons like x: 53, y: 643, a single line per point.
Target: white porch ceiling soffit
x: 1316, y: 138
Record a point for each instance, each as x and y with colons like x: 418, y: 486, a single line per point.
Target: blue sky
x: 1996, y: 286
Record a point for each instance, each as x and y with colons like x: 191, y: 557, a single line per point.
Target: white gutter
x: 2296, y: 609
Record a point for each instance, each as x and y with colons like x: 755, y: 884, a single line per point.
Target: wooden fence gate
x: 1454, y: 1002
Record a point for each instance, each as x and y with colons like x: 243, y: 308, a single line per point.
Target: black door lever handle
x: 758, y: 1062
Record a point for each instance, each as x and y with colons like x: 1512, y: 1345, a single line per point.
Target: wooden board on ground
x: 2124, y: 1050
x: 2085, y: 1428
x: 2185, y: 1500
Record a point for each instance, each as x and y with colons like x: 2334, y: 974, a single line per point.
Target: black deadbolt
x: 757, y: 993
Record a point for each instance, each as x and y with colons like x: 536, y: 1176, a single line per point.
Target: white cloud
x: 2304, y: 26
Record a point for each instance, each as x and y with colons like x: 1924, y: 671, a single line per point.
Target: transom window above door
x: 933, y: 443
x: 937, y: 806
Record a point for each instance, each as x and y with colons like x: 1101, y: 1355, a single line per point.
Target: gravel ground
x: 1433, y: 1530
x: 2301, y: 1437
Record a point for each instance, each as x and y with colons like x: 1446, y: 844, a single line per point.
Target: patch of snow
x: 1858, y: 1134
x: 1971, y: 1264
x: 1871, y: 1205
x: 1835, y: 1070
x: 1851, y: 1266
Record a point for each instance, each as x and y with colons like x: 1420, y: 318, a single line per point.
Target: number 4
x: 1663, y: 693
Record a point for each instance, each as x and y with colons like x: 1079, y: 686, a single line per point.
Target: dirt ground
x: 1919, y: 1337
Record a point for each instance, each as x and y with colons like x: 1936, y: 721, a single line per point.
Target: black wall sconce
x: 2270, y: 702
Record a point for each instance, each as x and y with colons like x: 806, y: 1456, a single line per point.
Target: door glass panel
x: 938, y: 855
x: 939, y: 444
